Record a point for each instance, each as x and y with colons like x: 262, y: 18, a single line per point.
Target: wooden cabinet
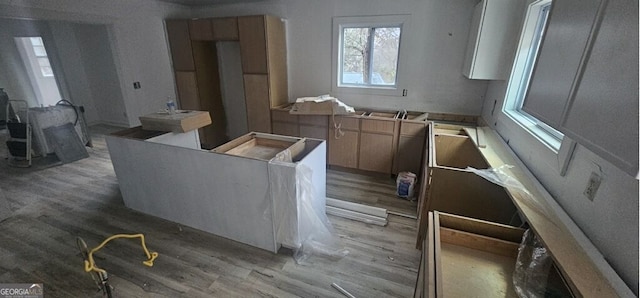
x: 582, y: 269
x: 410, y: 148
x: 225, y: 29
x: 481, y: 253
x: 263, y: 56
x: 313, y: 126
x: 377, y: 144
x: 283, y: 123
x: 180, y: 45
x: 343, y: 142
x: 253, y: 44
x: 256, y: 93
x: 492, y: 39
x: 200, y: 29
x: 447, y: 187
x: 187, y: 90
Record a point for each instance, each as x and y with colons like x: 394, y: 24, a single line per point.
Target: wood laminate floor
x: 50, y: 206
x: 373, y: 191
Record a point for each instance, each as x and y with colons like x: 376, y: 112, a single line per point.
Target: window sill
x: 540, y: 134
x: 366, y: 90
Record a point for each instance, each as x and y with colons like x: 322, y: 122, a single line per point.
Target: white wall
x: 74, y: 79
x: 436, y: 43
x: 610, y: 220
x: 137, y: 39
x: 13, y: 73
x: 100, y: 71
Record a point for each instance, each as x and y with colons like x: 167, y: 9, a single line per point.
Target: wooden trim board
x: 375, y: 211
x: 358, y: 216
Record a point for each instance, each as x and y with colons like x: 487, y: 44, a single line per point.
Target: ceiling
x: 207, y: 2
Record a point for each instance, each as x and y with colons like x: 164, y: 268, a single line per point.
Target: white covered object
x: 321, y: 105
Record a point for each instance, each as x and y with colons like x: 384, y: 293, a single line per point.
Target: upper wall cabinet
x: 225, y: 29
x: 264, y: 65
x: 492, y: 39
x: 559, y: 58
x: 180, y: 45
x: 200, y: 29
x: 253, y: 44
x: 596, y: 104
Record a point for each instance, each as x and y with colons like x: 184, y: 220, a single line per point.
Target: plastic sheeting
x: 500, y: 177
x: 299, y: 217
x: 532, y: 267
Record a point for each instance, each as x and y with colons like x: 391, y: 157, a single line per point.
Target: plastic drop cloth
x: 532, y: 267
x: 500, y: 177
x: 299, y: 217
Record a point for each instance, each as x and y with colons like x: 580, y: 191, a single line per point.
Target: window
x: 526, y: 55
x: 367, y: 54
x: 41, y: 56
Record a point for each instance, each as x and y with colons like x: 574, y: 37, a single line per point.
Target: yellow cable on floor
x: 89, y: 265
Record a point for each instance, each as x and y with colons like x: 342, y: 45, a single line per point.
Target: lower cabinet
x: 376, y: 152
x: 465, y: 257
x: 283, y: 123
x: 343, y: 150
x: 313, y: 126
x: 377, y: 144
x: 410, y: 147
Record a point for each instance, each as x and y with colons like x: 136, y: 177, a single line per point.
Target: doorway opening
x: 38, y: 67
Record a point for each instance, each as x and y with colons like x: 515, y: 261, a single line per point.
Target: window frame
x: 339, y: 23
x: 519, y: 80
x: 39, y: 57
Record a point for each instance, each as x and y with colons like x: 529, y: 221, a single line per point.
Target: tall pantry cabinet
x: 263, y: 55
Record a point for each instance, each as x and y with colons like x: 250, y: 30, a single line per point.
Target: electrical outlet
x: 592, y: 186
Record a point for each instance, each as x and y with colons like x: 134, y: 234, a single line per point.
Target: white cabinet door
x: 492, y: 39
x: 603, y: 115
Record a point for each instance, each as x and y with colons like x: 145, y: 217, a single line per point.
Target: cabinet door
x: 409, y: 156
x: 376, y: 152
x: 187, y: 90
x: 492, y: 39
x: 225, y: 29
x: 200, y: 29
x: 180, y: 45
x: 277, y: 60
x: 285, y: 128
x: 604, y: 112
x: 559, y: 57
x: 253, y: 44
x: 343, y: 151
x: 256, y: 90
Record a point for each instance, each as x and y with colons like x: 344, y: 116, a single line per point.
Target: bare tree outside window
x: 370, y: 55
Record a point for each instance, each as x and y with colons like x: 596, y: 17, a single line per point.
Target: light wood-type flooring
x: 52, y: 205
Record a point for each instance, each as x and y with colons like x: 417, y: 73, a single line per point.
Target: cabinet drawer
x: 381, y: 126
x: 313, y: 120
x: 315, y: 132
x: 352, y: 123
x: 283, y: 116
x: 412, y: 128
